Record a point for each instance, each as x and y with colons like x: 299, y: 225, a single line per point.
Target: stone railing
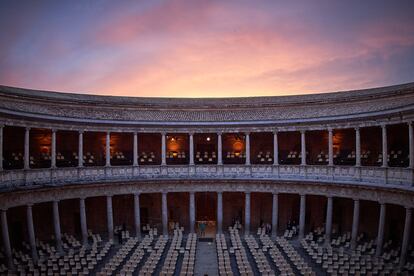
x: 376, y: 176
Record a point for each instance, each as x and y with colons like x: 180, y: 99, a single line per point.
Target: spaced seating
x: 187, y: 267
x: 223, y: 257
x: 238, y: 249
x: 76, y: 260
x: 336, y: 259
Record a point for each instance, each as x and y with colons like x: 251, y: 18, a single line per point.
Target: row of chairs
x: 223, y: 257
x: 278, y: 259
x: 113, y: 264
x: 259, y: 257
x: 74, y: 260
x: 135, y: 259
x: 238, y: 249
x: 188, y: 265
x: 154, y: 258
x: 298, y: 262
x: 338, y: 260
x: 170, y: 262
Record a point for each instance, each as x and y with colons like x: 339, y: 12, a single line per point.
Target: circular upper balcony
x: 360, y: 137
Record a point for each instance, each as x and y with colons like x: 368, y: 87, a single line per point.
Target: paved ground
x: 206, y: 259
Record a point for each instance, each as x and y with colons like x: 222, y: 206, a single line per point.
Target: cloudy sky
x: 205, y: 48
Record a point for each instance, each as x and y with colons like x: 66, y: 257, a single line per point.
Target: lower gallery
x: 298, y: 185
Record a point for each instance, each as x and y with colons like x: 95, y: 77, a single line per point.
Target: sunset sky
x: 205, y: 48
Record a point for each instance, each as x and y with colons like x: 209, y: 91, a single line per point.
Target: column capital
x: 246, y: 133
x: 135, y: 132
x: 220, y: 192
x: 3, y: 209
x: 108, y: 132
x: 29, y: 205
x: 137, y: 194
x: 329, y: 196
x: 83, y: 198
x: 247, y: 192
x: 163, y: 133
x: 54, y: 130
x: 164, y: 193
x: 191, y: 133
x: 81, y: 131
x: 356, y: 199
x: 192, y: 193
x: 56, y: 200
x: 302, y: 131
x: 383, y: 125
x: 275, y: 193
x: 357, y: 128
x: 219, y: 133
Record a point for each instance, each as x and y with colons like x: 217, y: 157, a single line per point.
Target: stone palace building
x: 317, y: 184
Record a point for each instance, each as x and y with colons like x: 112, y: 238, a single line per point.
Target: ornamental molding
x: 50, y: 194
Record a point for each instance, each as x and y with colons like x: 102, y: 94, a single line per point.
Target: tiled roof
x: 68, y: 105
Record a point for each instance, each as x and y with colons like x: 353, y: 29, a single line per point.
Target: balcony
x: 351, y: 175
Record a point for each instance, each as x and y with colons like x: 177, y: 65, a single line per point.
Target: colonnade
x: 219, y: 147
x: 192, y: 211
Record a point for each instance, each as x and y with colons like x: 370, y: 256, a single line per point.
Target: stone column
x: 192, y: 211
x: 56, y: 224
x: 219, y: 212
x: 1, y: 147
x: 302, y: 217
x: 137, y: 216
x: 6, y: 239
x: 411, y: 144
x: 163, y: 150
x: 247, y: 213
x: 381, y: 225
x: 355, y: 224
x: 275, y: 214
x: 164, y: 214
x: 135, y: 153
x: 219, y: 150
x: 84, y: 227
x: 275, y: 149
x: 108, y: 149
x: 191, y: 148
x: 31, y: 232
x: 27, y: 149
x: 328, y: 224
x: 80, y: 149
x: 330, y: 147
x: 384, y: 146
x: 406, y: 236
x: 357, y: 147
x: 247, y: 148
x: 53, y: 165
x: 109, y: 217
x: 303, y: 147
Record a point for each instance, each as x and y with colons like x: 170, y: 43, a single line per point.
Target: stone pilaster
x: 56, y: 226
x: 192, y: 211
x: 302, y: 216
x: 355, y: 224
x: 275, y: 214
